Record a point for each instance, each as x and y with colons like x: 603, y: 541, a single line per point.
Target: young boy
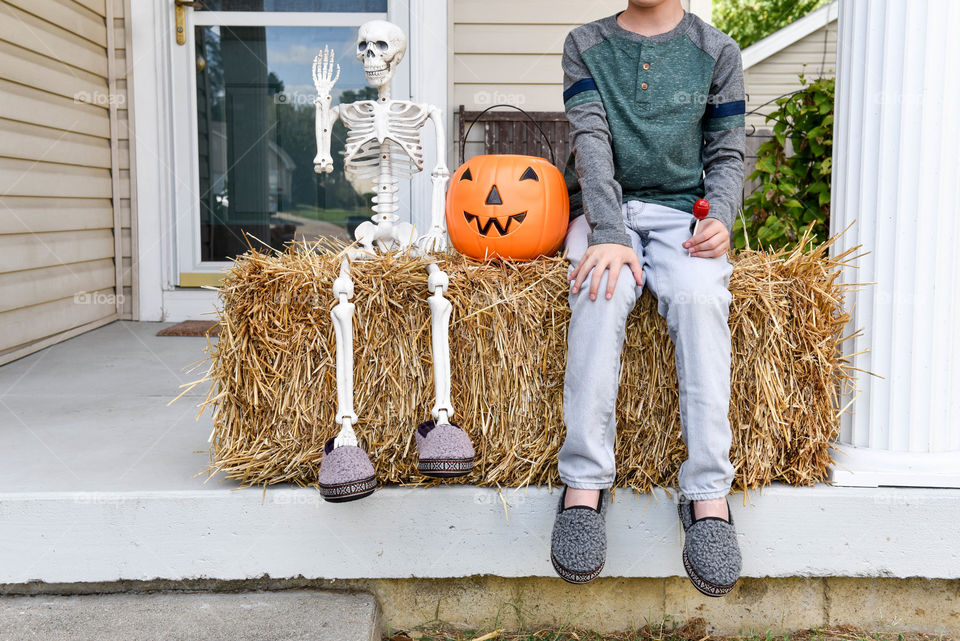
x: 655, y: 100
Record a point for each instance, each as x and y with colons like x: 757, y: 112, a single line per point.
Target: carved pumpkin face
x: 507, y: 206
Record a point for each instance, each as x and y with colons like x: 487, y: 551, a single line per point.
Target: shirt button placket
x: 644, y: 85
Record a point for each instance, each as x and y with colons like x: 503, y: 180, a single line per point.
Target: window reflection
x: 256, y: 139
x: 296, y: 5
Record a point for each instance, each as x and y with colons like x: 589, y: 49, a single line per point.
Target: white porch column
x: 897, y: 173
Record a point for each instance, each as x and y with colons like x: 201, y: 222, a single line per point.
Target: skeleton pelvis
x: 386, y: 236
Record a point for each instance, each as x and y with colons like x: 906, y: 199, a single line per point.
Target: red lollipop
x: 701, y: 209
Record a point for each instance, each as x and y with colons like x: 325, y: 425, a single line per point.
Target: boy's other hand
x: 604, y: 256
x: 711, y: 240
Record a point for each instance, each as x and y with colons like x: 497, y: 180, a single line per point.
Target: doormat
x: 191, y: 328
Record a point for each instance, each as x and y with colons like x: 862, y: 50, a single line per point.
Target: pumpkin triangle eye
x: 529, y: 174
x: 467, y: 175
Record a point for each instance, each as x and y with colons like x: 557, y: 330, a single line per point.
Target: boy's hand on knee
x: 711, y: 240
x: 604, y: 256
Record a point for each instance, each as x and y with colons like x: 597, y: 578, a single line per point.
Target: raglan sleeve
x: 724, y: 138
x: 592, y: 146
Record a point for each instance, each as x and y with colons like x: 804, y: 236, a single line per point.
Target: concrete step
x: 99, y: 483
x: 290, y: 533
x: 298, y: 615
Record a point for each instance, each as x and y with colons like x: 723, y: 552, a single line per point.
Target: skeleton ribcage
x: 366, y: 161
x: 398, y: 122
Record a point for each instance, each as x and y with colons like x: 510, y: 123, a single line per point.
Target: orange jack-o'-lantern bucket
x: 507, y: 205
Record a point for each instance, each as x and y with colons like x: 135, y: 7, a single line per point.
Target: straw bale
x: 273, y: 380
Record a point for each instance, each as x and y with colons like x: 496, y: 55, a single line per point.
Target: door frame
x: 162, y: 112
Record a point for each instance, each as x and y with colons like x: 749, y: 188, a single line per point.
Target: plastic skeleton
x: 383, y: 144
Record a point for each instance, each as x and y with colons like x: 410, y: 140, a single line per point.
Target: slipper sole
x: 342, y: 492
x: 574, y: 577
x: 704, y: 586
x: 445, y: 467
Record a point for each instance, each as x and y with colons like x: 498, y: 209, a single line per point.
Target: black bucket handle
x: 466, y: 134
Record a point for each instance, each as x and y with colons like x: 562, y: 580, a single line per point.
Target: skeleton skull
x: 380, y: 47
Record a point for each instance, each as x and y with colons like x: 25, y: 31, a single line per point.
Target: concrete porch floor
x: 99, y: 487
x: 91, y: 415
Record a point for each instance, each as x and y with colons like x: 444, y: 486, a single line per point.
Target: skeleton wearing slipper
x: 383, y: 145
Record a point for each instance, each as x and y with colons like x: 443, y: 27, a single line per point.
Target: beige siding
x: 779, y: 74
x: 504, y: 51
x: 66, y: 235
x: 508, y: 51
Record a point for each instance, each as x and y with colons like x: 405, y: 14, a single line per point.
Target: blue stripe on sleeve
x: 584, y: 84
x: 725, y: 109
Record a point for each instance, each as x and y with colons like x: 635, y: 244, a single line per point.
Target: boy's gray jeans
x: 693, y: 296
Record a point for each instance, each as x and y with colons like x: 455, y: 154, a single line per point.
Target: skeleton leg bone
x: 440, y: 309
x: 346, y: 472
x: 342, y: 315
x: 445, y: 449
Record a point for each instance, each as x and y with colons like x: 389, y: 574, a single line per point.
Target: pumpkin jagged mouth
x: 502, y: 229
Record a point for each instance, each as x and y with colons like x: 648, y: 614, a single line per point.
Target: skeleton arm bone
x: 436, y: 238
x: 324, y: 80
x: 326, y: 116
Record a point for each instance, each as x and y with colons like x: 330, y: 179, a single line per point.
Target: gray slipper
x: 444, y: 450
x: 711, y: 554
x: 346, y: 473
x: 578, y: 544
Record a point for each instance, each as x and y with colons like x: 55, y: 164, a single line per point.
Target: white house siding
x: 777, y: 75
x: 64, y: 172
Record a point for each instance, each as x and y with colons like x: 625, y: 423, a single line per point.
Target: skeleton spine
x: 385, y: 200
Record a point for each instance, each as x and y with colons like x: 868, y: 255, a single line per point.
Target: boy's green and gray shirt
x: 652, y: 118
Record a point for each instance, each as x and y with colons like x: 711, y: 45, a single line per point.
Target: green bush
x: 748, y: 21
x: 794, y: 191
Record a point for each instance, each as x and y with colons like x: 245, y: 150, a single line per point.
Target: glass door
x: 244, y: 126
